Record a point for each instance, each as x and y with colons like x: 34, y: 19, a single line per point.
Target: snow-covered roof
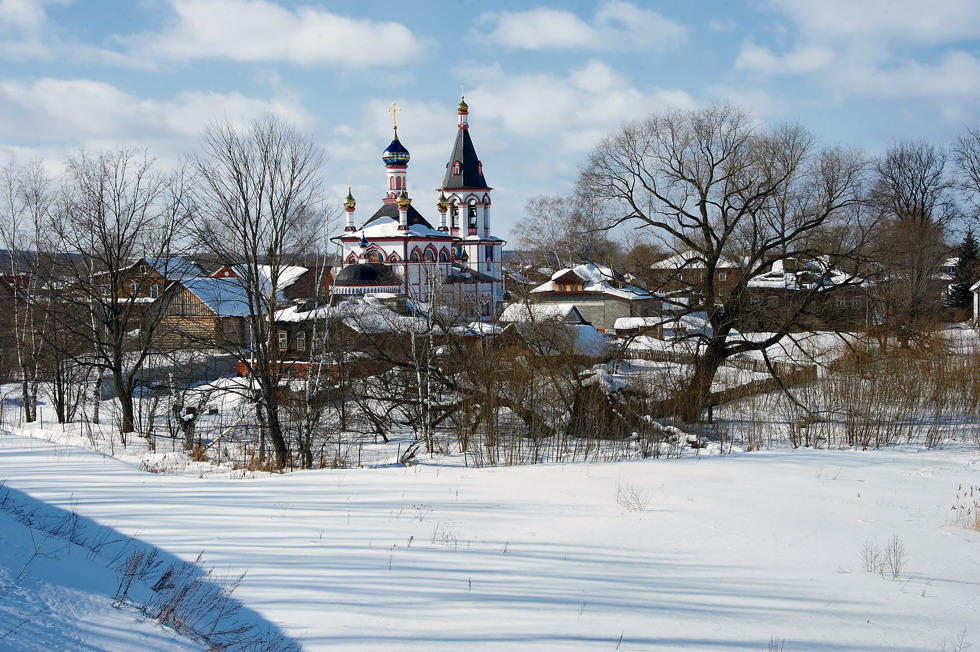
x: 173, y: 269
x: 813, y: 275
x: 597, y: 279
x: 537, y: 312
x: 588, y: 340
x: 629, y: 323
x: 364, y: 315
x: 387, y: 227
x: 224, y: 298
x: 691, y: 260
x: 477, y: 328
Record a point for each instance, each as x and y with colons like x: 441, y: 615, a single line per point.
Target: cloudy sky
x: 543, y: 81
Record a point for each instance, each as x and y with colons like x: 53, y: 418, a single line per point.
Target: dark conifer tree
x: 966, y: 273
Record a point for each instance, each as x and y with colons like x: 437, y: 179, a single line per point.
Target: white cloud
x: 957, y: 75
x: 895, y: 21
x: 879, y: 49
x: 804, y: 59
x: 23, y: 28
x: 574, y: 109
x: 260, y: 30
x: 81, y: 112
x: 616, y: 25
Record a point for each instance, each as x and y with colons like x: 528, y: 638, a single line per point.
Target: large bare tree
x: 706, y: 183
x: 116, y: 210
x: 914, y: 195
x: 258, y: 205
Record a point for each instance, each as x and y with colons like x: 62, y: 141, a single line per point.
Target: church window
x: 454, y: 216
x: 471, y: 214
x: 479, y: 167
x: 489, y: 253
x: 375, y: 256
x: 415, y: 256
x: 430, y: 255
x: 443, y: 256
x: 457, y: 168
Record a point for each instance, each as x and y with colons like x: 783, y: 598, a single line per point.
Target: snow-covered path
x: 727, y: 552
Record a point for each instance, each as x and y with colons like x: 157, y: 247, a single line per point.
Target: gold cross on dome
x: 461, y: 93
x: 394, y: 114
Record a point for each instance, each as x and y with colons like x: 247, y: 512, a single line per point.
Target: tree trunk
x: 124, y: 392
x: 275, y: 427
x: 695, y: 398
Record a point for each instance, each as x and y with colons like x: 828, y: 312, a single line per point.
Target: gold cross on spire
x: 394, y: 114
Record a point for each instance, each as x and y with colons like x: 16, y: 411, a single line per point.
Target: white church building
x: 457, y: 262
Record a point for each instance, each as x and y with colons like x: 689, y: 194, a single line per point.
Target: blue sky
x: 543, y: 81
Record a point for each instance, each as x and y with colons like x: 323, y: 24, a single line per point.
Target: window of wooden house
x: 154, y: 291
x: 722, y: 276
x: 106, y: 291
x: 134, y: 288
x: 142, y: 269
x: 283, y: 341
x: 300, y: 341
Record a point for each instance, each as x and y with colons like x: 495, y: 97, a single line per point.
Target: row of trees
x: 250, y: 198
x: 712, y: 184
x: 706, y: 181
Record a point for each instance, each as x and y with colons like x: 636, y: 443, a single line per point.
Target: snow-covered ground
x: 53, y: 596
x: 702, y: 553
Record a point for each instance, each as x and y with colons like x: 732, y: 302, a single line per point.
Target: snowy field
x: 752, y: 551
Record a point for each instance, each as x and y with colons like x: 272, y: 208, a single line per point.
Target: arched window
x: 443, y: 256
x: 375, y: 256
x: 471, y: 214
x: 392, y: 257
x: 415, y: 256
x: 479, y: 167
x: 430, y: 255
x: 457, y: 168
x: 454, y: 215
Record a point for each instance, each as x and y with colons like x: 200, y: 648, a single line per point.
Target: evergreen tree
x: 966, y: 273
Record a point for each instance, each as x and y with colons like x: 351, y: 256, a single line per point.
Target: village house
x: 599, y: 294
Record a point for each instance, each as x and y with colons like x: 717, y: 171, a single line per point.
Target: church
x: 456, y: 263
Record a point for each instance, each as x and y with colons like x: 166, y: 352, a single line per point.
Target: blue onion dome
x: 396, y: 154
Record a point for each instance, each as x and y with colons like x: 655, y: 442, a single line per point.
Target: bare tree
x: 116, y: 210
x: 565, y: 231
x: 967, y: 153
x: 258, y: 204
x: 915, y: 198
x: 912, y: 185
x: 706, y: 183
x: 27, y: 198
